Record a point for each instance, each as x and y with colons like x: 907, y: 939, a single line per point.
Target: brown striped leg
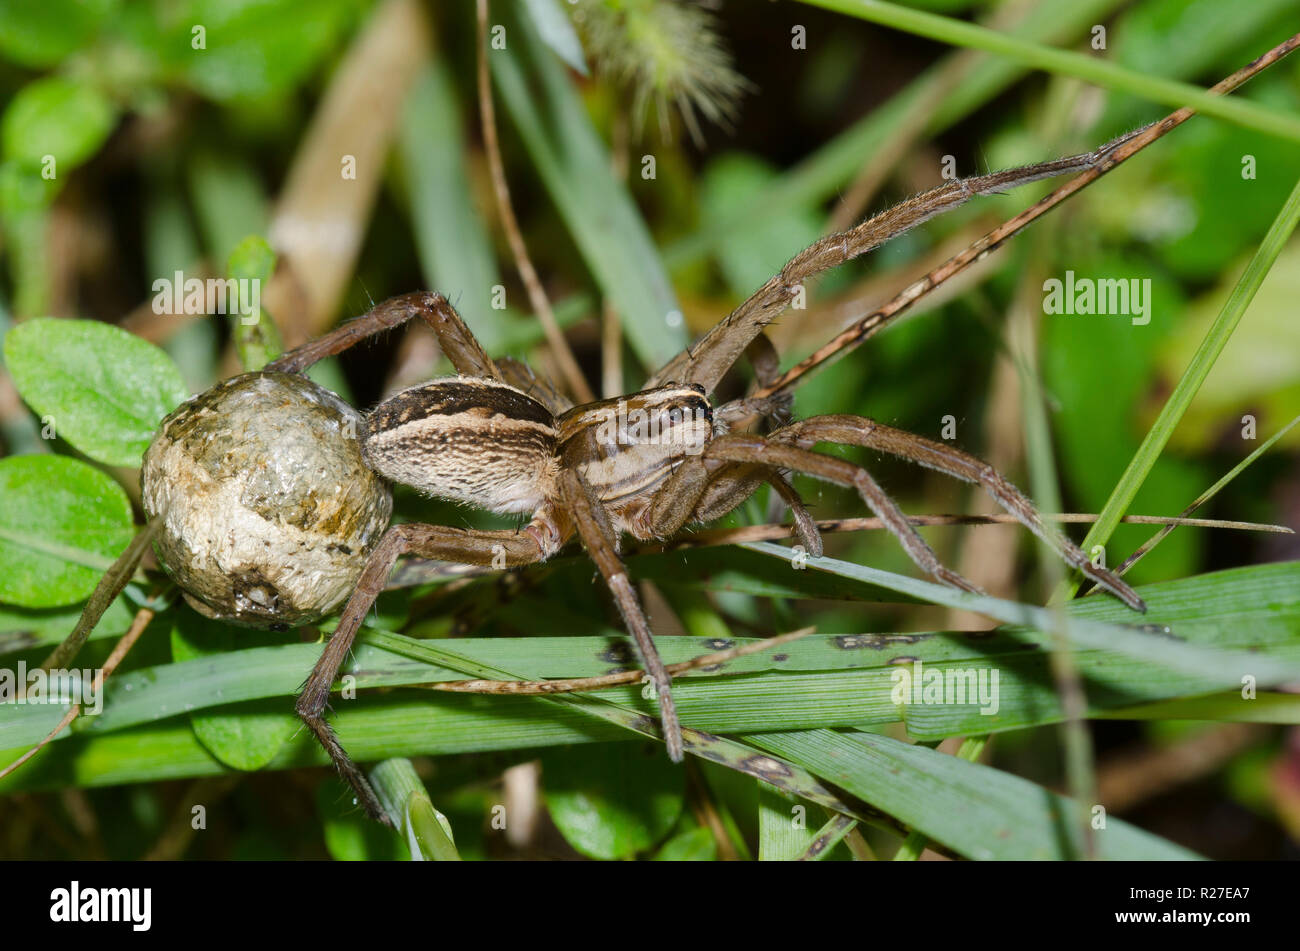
x: 699, y: 492
x: 600, y: 540
x: 429, y: 541
x: 708, y: 360
x: 860, y: 431
x: 745, y: 447
x: 455, y: 339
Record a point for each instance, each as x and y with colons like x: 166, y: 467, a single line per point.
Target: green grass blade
x: 1134, y: 641
x: 1202, y: 362
x: 427, y: 831
x: 978, y: 811
x: 1069, y: 63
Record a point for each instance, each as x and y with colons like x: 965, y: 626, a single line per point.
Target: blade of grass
x: 407, y: 802
x: 971, y: 749
x: 1216, y: 338
x: 978, y: 811
x: 1092, y: 69
x: 1139, y: 642
x: 822, y: 680
x: 1204, y: 497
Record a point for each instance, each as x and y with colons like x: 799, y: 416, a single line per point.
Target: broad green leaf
x: 103, y: 389
x: 37, y: 33
x: 600, y: 214
x: 247, y: 738
x: 63, y: 118
x: 241, y: 51
x: 62, y: 523
x: 976, y: 810
x: 613, y: 801
x: 693, y: 845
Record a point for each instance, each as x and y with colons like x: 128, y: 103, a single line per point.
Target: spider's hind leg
x: 431, y: 541
x: 454, y: 337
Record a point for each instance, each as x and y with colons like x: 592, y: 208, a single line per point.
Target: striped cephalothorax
x: 647, y: 464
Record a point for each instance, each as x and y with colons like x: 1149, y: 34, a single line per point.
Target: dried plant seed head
x: 268, y: 509
x: 664, y: 52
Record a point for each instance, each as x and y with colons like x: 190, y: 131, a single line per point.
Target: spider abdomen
x: 477, y: 441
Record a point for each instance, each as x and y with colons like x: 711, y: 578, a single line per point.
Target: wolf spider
x: 498, y: 438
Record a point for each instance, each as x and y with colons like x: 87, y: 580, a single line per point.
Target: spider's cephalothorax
x: 488, y: 444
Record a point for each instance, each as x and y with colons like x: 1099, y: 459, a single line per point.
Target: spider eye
x: 699, y: 388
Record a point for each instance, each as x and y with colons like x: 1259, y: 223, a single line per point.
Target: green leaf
x: 694, y: 845
x: 784, y: 831
x: 24, y: 628
x: 976, y: 810
x: 428, y: 833
x: 244, y: 50
x: 40, y: 33
x: 62, y: 522
x: 613, y: 801
x: 104, y: 390
x: 247, y: 738
x: 64, y: 118
x: 600, y: 214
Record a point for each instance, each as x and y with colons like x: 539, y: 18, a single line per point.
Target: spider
x: 498, y: 438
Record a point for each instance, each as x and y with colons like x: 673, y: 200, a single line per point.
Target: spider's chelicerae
x: 497, y: 438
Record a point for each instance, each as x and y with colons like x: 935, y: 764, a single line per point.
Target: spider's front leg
x: 598, y: 536
x: 861, y: 431
x: 533, y: 544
